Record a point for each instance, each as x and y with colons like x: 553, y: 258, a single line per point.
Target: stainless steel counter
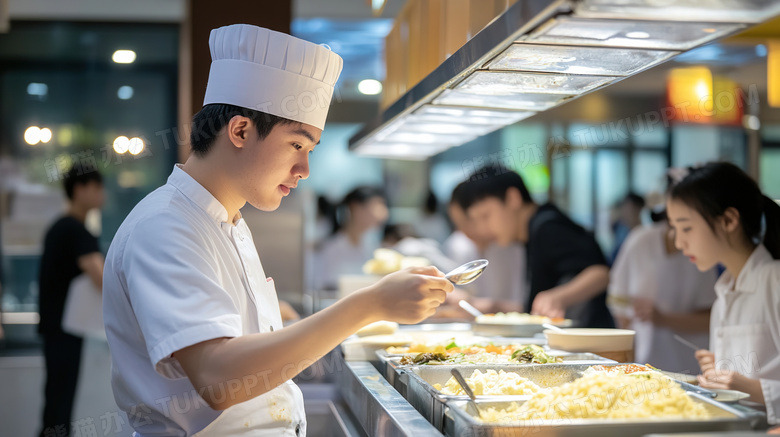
x: 378, y: 407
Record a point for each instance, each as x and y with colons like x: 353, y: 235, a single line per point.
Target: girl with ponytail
x: 720, y: 216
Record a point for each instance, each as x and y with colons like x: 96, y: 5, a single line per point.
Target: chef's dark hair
x: 77, y: 176
x: 490, y: 181
x: 210, y: 120
x: 717, y: 186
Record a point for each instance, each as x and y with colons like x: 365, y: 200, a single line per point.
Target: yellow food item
x: 604, y: 396
x: 491, y: 383
x: 387, y: 261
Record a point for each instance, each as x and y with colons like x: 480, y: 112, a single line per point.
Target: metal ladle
x: 464, y: 385
x: 467, y: 273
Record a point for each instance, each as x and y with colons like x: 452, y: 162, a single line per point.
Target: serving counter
x: 387, y: 400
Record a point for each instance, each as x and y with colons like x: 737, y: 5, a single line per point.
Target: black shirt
x: 65, y: 242
x: 558, y: 250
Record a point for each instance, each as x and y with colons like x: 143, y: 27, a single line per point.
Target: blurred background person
x: 361, y: 214
x: 629, y: 211
x: 69, y: 250
x: 432, y: 223
x: 567, y: 269
x: 655, y: 291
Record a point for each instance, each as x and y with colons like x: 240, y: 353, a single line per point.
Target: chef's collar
x: 747, y: 280
x: 199, y: 195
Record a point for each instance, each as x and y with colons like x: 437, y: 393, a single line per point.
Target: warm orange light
x: 773, y: 73
x: 689, y: 94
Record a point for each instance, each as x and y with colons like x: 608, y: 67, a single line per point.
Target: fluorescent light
x: 125, y: 92
x: 742, y: 11
x: 121, y: 144
x: 123, y: 56
x: 135, y: 146
x: 45, y: 135
x: 469, y: 116
x: 37, y: 89
x: 599, y: 61
x: 664, y: 35
x: 370, y: 87
x: 508, y: 83
x: 520, y: 101
x: 32, y: 135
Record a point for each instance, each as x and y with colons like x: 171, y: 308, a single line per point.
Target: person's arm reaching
x: 92, y: 265
x: 251, y: 365
x: 586, y: 285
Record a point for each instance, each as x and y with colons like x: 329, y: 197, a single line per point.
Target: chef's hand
x: 645, y: 310
x: 549, y: 304
x: 411, y: 295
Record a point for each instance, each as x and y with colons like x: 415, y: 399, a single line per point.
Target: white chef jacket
x: 745, y: 325
x: 643, y: 269
x: 177, y: 274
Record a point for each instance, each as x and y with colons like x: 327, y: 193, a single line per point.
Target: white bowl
x: 590, y: 339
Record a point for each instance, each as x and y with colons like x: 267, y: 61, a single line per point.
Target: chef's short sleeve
x: 175, y: 292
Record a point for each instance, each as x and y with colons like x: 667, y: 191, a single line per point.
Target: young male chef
x: 192, y: 321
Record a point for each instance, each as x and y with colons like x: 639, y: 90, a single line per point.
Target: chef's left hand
x: 549, y: 304
x: 645, y: 310
x: 730, y: 380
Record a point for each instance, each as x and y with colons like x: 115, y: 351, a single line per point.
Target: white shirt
x: 177, y: 274
x: 643, y: 269
x: 745, y: 325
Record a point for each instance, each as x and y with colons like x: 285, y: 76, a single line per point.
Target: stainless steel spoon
x: 464, y: 385
x: 467, y: 273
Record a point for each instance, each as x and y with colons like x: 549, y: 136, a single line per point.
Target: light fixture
x: 32, y: 135
x: 123, y: 56
x: 37, y: 89
x: 125, y: 92
x: 370, y: 87
x: 45, y: 135
x: 136, y: 146
x: 539, y: 54
x: 121, y: 144
x: 601, y: 61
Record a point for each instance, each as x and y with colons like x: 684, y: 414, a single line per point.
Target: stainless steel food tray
x: 460, y: 421
x: 393, y: 371
x: 431, y: 403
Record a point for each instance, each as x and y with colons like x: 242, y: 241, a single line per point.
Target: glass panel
x: 577, y: 60
x: 634, y: 34
x: 499, y: 83
x: 581, y: 188
x: 587, y: 136
x: 652, y: 136
x: 611, y: 186
x: 770, y: 177
x: 523, y: 102
x: 750, y: 11
x: 648, y: 172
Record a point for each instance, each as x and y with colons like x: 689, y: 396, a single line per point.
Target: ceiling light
x: 121, y: 144
x: 742, y: 11
x: 519, y: 101
x: 37, y: 89
x: 662, y: 35
x: 370, y: 87
x: 136, y: 146
x: 32, y: 135
x: 125, y: 92
x: 123, y: 56
x: 45, y: 135
x: 599, y: 61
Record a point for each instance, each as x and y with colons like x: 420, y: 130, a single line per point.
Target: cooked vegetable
x: 534, y: 354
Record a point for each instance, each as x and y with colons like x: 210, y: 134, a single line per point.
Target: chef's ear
x: 238, y: 130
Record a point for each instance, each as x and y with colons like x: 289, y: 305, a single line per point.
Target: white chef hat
x: 271, y: 72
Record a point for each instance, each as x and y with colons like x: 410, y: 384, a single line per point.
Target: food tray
x: 393, y: 371
x: 431, y: 403
x: 460, y: 421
